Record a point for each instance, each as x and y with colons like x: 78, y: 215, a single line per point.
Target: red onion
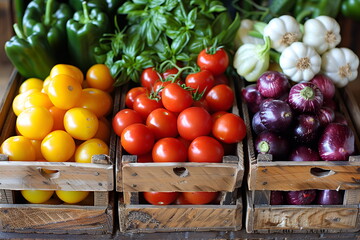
x: 330, y: 103
x: 272, y: 143
x: 325, y: 84
x: 256, y: 124
x: 305, y: 97
x: 273, y: 84
x: 329, y: 197
x: 325, y: 115
x: 277, y: 198
x: 302, y: 197
x: 340, y: 118
x: 252, y: 97
x: 276, y: 115
x: 303, y: 153
x: 336, y: 143
x: 306, y: 128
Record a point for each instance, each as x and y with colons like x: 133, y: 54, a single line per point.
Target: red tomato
x: 199, y: 198
x: 194, y: 122
x: 160, y: 198
x: 148, y: 77
x: 162, y: 123
x: 132, y: 94
x: 159, y: 86
x: 229, y: 128
x: 175, y: 98
x: 216, y: 63
x: 205, y: 149
x: 145, y: 105
x: 180, y: 200
x: 144, y: 158
x: 201, y: 81
x: 220, y: 98
x: 184, y: 141
x: 221, y: 79
x: 169, y: 150
x: 170, y: 71
x: 216, y: 115
x: 125, y: 118
x: 201, y: 103
x: 137, y: 139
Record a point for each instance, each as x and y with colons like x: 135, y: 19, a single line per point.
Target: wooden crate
x: 92, y: 216
x: 133, y: 178
x: 266, y: 175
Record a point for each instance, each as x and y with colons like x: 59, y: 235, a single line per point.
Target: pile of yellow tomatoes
x: 61, y: 118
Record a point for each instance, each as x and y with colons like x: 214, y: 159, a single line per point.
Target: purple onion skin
x: 276, y: 115
x: 252, y: 97
x: 303, y: 153
x: 277, y: 198
x: 272, y: 143
x: 272, y: 84
x: 329, y: 197
x: 340, y: 118
x: 325, y: 115
x: 256, y: 124
x: 336, y: 143
x: 305, y: 97
x: 325, y: 85
x: 303, y: 197
x: 306, y: 129
x: 330, y: 103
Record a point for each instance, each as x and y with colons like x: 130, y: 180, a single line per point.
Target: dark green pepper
x: 32, y: 56
x: 19, y: 10
x: 84, y: 31
x: 313, y: 8
x: 49, y: 18
x: 351, y: 9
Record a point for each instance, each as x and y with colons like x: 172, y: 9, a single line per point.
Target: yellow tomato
x: 64, y: 91
x: 99, y: 76
x: 31, y: 83
x: 104, y: 130
x: 46, y: 85
x: 72, y: 196
x: 96, y: 100
x: 81, y: 123
x: 37, y: 196
x: 91, y: 147
x: 37, y: 99
x: 37, y: 147
x: 58, y: 116
x: 66, y: 69
x: 35, y: 122
x: 58, y: 146
x: 18, y: 102
x: 18, y: 148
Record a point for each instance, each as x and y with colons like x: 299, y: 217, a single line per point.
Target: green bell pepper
x: 351, y: 9
x: 49, y: 18
x: 32, y: 55
x: 313, y: 8
x: 84, y: 31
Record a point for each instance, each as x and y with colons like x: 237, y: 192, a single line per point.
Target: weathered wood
x: 6, y: 196
x: 69, y: 219
x: 100, y: 198
x: 151, y: 218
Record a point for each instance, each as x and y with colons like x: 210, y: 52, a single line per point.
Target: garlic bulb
x: 242, y: 35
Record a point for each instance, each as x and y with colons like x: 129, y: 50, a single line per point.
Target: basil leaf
x: 191, y: 18
x: 180, y: 42
x: 156, y: 3
x: 152, y: 34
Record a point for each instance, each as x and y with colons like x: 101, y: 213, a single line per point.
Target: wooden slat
x: 6, y: 196
x: 151, y: 218
x: 69, y: 219
x: 70, y: 176
x: 101, y: 198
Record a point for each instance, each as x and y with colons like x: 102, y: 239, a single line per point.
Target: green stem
x: 18, y: 32
x: 307, y: 93
x: 256, y: 34
x: 264, y: 147
x: 86, y: 11
x: 302, y: 15
x: 275, y: 56
x: 48, y: 12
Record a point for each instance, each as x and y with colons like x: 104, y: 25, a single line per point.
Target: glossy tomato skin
x: 170, y: 71
x: 169, y: 150
x: 220, y: 98
x: 205, y: 149
x: 124, y: 118
x: 162, y: 123
x: 137, y: 139
x: 221, y: 79
x: 199, y: 198
x: 145, y: 105
x: 175, y: 98
x: 148, y: 77
x: 201, y: 81
x: 194, y: 122
x: 160, y: 198
x: 229, y: 128
x: 132, y: 94
x: 216, y: 63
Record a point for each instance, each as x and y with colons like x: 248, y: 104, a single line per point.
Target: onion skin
x: 303, y: 197
x: 336, y: 143
x: 329, y: 197
x: 325, y: 115
x: 305, y: 97
x: 272, y: 143
x: 276, y: 115
x: 340, y: 118
x: 277, y: 198
x: 256, y: 124
x: 303, y: 153
x: 273, y: 84
x: 252, y: 97
x: 306, y: 128
x: 325, y: 85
